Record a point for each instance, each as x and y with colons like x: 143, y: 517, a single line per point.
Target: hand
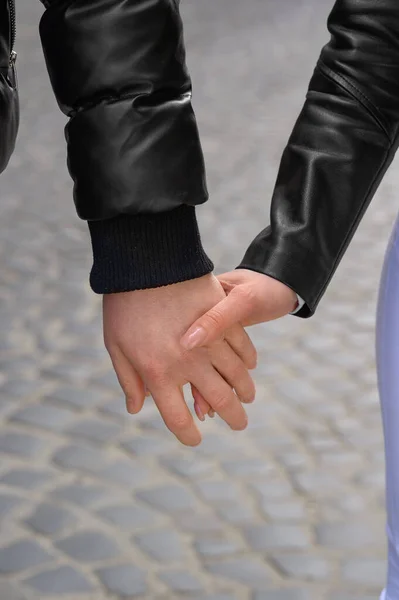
x: 142, y: 330
x: 251, y: 298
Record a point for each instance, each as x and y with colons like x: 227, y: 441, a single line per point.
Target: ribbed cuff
x: 134, y: 252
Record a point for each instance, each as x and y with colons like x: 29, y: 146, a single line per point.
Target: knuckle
x: 220, y: 403
x: 177, y: 423
x: 213, y: 319
x: 238, y: 373
x: 154, y: 370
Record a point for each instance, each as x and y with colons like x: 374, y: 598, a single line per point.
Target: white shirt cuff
x: 301, y: 302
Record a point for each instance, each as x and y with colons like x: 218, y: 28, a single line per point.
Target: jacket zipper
x: 13, y: 21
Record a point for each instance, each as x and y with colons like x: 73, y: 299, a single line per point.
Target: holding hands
x: 159, y: 339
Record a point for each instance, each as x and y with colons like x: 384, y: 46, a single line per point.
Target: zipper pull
x: 13, y: 58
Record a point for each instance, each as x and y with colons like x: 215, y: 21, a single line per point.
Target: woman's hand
x: 251, y: 298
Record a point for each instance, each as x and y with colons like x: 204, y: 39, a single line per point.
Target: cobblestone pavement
x: 96, y: 504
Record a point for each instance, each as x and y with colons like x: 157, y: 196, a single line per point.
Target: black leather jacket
x: 118, y: 71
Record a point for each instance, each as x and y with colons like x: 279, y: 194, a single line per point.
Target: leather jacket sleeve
x: 118, y: 72
x: 340, y: 148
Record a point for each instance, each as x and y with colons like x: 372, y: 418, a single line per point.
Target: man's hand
x: 142, y: 332
x: 251, y: 298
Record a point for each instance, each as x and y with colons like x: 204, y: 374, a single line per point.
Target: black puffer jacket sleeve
x: 118, y: 71
x: 341, y: 146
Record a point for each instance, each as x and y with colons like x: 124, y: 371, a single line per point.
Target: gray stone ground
x: 96, y: 504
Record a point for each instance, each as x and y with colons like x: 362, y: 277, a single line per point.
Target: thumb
x: 212, y: 325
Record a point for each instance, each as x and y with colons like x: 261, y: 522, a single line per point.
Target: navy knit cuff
x: 134, y: 252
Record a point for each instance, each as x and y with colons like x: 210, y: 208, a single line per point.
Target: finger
x: 242, y: 345
x: 233, y: 370
x: 230, y: 278
x: 130, y: 382
x: 201, y: 406
x: 174, y: 411
x: 221, y: 398
x: 210, y: 327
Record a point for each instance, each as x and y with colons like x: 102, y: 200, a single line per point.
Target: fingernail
x: 199, y: 412
x: 194, y: 339
x: 211, y: 413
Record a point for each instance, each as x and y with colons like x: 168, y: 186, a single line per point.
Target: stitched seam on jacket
x: 351, y: 89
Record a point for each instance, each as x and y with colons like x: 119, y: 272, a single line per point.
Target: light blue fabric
x: 387, y: 353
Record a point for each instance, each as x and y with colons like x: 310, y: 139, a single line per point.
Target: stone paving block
x: 78, y: 398
x: 217, y: 546
x: 21, y: 444
x: 6, y: 405
x: 96, y: 430
x: 272, y: 489
x: 164, y: 545
x: 365, y: 571
x: 10, y: 591
x: 247, y: 570
x: 302, y: 566
x: 283, y: 594
x: 248, y: 467
x: 199, y: 523
x: 44, y: 416
x: 7, y: 503
x: 21, y: 389
x: 75, y: 372
x: 22, y: 555
x: 293, y: 459
x: 89, y: 546
x: 148, y: 445
x: 191, y: 467
x: 344, y: 595
x: 345, y: 535
x: 169, y: 498
x: 126, y: 581
x: 85, y: 495
x: 274, y: 536
x: 219, y: 491
x: 109, y: 381
x: 154, y: 424
x: 84, y: 458
x: 218, y: 445
x: 126, y: 473
x: 115, y: 408
x: 62, y: 580
x: 290, y: 510
x: 129, y: 517
x: 49, y: 519
x: 26, y: 478
x: 237, y: 513
x: 320, y: 484
x: 220, y: 596
x: 181, y: 581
